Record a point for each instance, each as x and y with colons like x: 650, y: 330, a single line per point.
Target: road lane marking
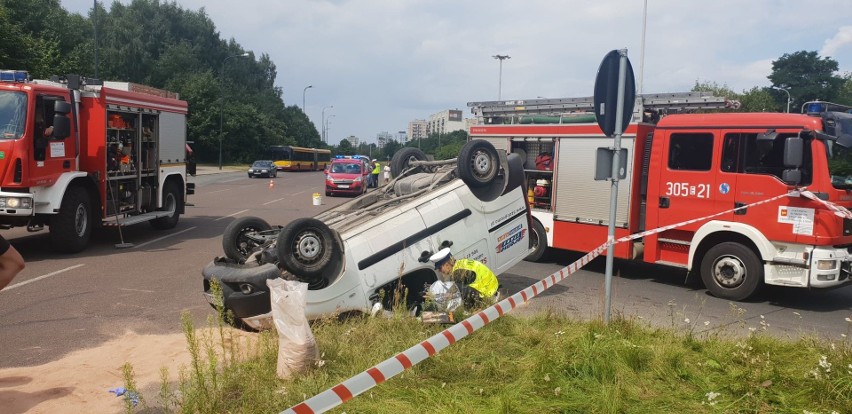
x: 231, y: 215
x: 27, y: 282
x: 230, y: 181
x: 274, y: 201
x: 218, y: 191
x: 164, y: 237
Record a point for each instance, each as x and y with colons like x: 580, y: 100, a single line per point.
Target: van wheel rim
x: 309, y: 247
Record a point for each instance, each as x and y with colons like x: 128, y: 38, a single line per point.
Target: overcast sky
x: 383, y: 63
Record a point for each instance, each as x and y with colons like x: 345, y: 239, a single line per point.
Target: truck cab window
x: 767, y: 156
x: 693, y: 152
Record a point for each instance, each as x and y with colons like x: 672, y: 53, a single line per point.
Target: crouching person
x: 474, y: 279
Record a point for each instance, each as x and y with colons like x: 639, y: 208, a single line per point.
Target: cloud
x: 840, y: 43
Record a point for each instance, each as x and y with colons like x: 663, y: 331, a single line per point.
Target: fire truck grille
x: 847, y: 227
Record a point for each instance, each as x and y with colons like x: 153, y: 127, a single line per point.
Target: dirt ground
x: 80, y: 382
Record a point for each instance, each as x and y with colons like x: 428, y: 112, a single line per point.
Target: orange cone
x: 271, y: 184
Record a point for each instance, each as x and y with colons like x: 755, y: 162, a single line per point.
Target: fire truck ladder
x: 660, y: 103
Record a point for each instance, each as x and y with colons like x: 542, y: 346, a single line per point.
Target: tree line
x: 163, y: 45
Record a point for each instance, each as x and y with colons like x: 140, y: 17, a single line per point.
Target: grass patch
x: 541, y: 364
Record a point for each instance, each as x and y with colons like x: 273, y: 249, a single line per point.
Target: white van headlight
x: 826, y: 264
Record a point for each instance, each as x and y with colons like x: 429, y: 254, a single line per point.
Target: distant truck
x: 686, y: 166
x: 76, y: 155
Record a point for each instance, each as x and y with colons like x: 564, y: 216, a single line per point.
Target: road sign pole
x: 613, y: 197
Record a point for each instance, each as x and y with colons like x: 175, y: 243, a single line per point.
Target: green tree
x: 345, y: 148
x: 807, y: 76
x: 761, y: 100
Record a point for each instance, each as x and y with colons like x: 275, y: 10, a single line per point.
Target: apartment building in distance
x: 417, y: 130
x: 445, y: 122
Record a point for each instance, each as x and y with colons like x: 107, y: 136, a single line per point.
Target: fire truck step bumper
x: 126, y: 221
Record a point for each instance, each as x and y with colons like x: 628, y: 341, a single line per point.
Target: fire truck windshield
x: 13, y: 114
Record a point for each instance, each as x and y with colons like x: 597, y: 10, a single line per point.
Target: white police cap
x: 440, y: 257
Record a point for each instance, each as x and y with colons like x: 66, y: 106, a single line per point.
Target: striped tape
x: 390, y: 367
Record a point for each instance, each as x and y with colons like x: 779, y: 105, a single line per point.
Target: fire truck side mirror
x: 61, y: 122
x: 793, y: 155
x: 793, y: 152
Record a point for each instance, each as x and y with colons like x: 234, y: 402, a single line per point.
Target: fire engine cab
x: 75, y: 154
x: 783, y: 183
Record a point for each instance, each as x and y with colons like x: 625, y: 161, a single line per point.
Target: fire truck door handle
x: 664, y: 202
x: 740, y: 212
x: 66, y: 164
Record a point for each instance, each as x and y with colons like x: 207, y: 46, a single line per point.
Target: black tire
x: 251, y: 176
x: 172, y: 201
x: 310, y: 250
x: 478, y: 163
x: 235, y: 241
x: 402, y: 158
x: 71, y: 228
x: 731, y: 271
x: 538, y: 237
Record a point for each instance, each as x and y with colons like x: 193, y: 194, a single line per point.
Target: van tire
x: 478, y: 163
x: 402, y: 158
x: 731, y: 271
x: 539, y: 239
x: 236, y: 245
x: 310, y: 250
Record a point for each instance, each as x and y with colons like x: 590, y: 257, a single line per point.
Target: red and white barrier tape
x: 390, y: 367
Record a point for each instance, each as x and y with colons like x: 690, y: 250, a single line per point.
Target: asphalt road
x: 62, y: 303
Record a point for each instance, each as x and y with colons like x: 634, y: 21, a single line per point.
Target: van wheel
x: 478, y: 163
x: 401, y: 160
x: 539, y: 241
x: 310, y: 250
x: 242, y: 238
x: 731, y: 271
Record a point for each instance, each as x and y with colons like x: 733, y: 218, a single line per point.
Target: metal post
x: 501, y: 58
x: 613, y: 198
x: 788, y: 96
x: 222, y: 103
x: 95, y: 21
x: 303, y: 96
x: 322, y: 123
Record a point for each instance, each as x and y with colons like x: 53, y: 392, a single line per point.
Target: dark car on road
x: 262, y: 168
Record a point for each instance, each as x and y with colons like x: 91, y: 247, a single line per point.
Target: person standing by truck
x: 375, y: 174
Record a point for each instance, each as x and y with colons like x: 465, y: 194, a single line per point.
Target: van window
x: 692, y: 152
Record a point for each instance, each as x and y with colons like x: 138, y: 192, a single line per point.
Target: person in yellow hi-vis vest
x: 474, y: 279
x: 376, y: 170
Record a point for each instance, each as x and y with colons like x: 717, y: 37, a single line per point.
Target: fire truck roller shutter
x: 587, y: 200
x: 172, y: 137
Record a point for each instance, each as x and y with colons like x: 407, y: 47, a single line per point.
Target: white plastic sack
x: 297, y: 347
x: 447, y: 296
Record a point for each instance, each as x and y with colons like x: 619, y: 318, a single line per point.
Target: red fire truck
x: 77, y: 154
x: 682, y: 166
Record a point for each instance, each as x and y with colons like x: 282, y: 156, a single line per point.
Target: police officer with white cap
x: 474, y: 279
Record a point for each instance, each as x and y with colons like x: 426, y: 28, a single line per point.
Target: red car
x: 346, y: 176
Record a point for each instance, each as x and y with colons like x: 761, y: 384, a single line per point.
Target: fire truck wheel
x: 401, y: 160
x: 71, y: 229
x: 243, y: 237
x: 731, y: 271
x: 310, y: 250
x: 478, y: 163
x: 171, y: 203
x: 539, y: 242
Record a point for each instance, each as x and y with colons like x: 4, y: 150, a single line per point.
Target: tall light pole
x: 222, y: 102
x: 303, y: 96
x: 322, y: 122
x: 788, y: 96
x: 327, y: 121
x: 501, y: 58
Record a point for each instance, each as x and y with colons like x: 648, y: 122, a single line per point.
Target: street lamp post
x: 788, y: 96
x: 303, y: 96
x: 327, y: 121
x: 322, y: 122
x: 222, y: 102
x: 501, y: 58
